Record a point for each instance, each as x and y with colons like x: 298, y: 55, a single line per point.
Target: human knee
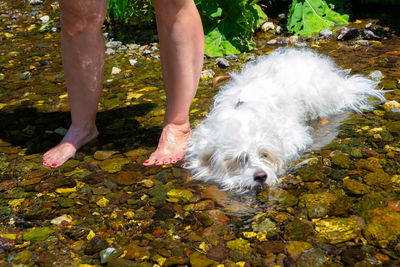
x: 166, y: 10
x: 74, y: 23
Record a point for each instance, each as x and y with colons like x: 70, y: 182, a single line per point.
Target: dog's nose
x: 260, y: 176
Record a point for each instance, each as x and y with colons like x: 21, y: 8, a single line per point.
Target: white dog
x: 258, y: 123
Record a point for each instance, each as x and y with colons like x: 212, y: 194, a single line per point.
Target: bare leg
x: 181, y: 47
x: 82, y: 47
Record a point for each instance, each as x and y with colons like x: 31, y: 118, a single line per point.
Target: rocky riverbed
x: 340, y: 208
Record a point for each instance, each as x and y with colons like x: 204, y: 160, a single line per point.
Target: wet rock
x: 218, y: 253
x: 352, y: 255
x: 66, y: 202
x: 24, y: 257
x: 218, y: 196
x: 113, y: 165
x: 239, y: 249
x: 378, y: 177
x: 312, y: 170
x: 25, y: 75
x: 6, y: 244
x: 163, y: 214
x: 34, y: 234
x: 113, y: 44
x: 376, y: 75
x: 272, y: 247
x: 63, y: 219
x: 198, y: 260
x: 202, y: 205
x: 176, y: 261
x: 337, y: 230
x: 393, y: 127
x: 370, y: 164
x: 318, y: 205
x: 312, y: 257
x: 207, y: 74
x: 223, y: 63
x: 267, y: 26
x: 7, y: 185
x: 176, y: 195
x: 297, y: 230
x: 382, y: 227
x: 102, y: 155
x: 135, y: 252
x: 355, y: 187
x: 205, y: 219
x: 325, y: 34
x: 110, y: 52
x: 340, y: 159
x: 109, y: 254
x: 264, y: 225
x: 345, y: 34
x: 295, y: 248
x: 370, y: 34
x: 278, y: 196
x: 96, y: 244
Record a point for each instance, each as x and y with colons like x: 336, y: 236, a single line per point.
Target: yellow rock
x: 65, y: 190
x: 102, y: 202
x: 297, y: 247
x: 15, y: 202
x: 9, y: 236
x: 90, y: 235
x: 133, y: 95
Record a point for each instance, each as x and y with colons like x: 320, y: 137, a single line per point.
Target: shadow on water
x: 119, y: 130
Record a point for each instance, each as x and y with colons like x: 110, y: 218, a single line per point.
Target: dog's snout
x: 260, y: 176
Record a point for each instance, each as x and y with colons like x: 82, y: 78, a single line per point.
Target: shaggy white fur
x: 258, y: 123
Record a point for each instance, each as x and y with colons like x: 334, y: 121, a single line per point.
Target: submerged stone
x: 113, y: 165
x: 340, y: 159
x: 382, y: 227
x: 295, y: 248
x: 34, y: 234
x: 109, y: 254
x: 313, y: 257
x: 198, y: 260
x: 355, y: 187
x: 102, y: 154
x: 314, y: 170
x: 337, y: 230
x: 378, y: 177
x: 180, y: 195
x: 135, y: 252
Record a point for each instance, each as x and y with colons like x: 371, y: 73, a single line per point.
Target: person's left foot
x: 171, y: 146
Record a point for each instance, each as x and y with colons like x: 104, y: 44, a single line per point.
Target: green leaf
x: 309, y: 16
x: 229, y: 25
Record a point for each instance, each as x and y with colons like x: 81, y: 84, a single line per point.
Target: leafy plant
x: 309, y: 16
x: 229, y: 25
x: 122, y: 11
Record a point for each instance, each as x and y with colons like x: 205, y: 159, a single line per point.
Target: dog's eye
x: 243, y: 159
x: 265, y: 155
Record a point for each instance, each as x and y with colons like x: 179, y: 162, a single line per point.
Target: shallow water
x: 341, y: 208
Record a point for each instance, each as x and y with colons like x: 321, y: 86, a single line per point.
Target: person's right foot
x: 72, y: 141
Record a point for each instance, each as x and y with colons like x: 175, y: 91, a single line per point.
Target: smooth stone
x: 34, y: 234
x: 113, y: 165
x: 382, y: 227
x: 313, y: 257
x: 337, y: 230
x: 198, y: 260
x: 223, y: 63
x: 109, y: 254
x: 355, y: 187
x: 135, y: 252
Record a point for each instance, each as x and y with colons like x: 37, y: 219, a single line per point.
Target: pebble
x: 35, y: 2
x: 325, y: 34
x: 376, y: 75
x: 110, y: 52
x: 223, y: 63
x: 132, y: 62
x: 113, y: 44
x: 267, y: 26
x: 115, y: 70
x: 347, y: 34
x: 44, y: 19
x: 25, y: 75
